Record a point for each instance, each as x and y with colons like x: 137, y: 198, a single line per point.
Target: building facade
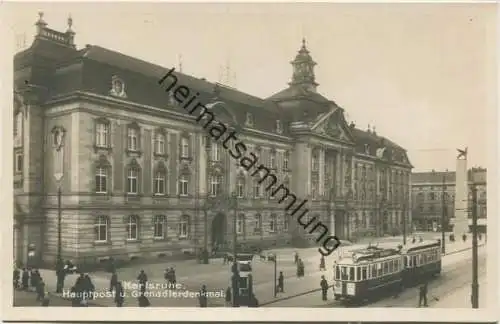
x: 139, y: 176
x: 433, y: 196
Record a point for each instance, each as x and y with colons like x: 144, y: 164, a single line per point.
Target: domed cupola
x: 303, y: 70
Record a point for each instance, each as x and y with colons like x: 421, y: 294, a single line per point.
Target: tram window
x: 358, y: 273
x: 396, y: 265
x: 421, y: 261
x: 374, y: 270
x: 386, y: 267
x: 390, y: 266
x: 364, y: 273
x: 379, y: 270
x: 344, y: 273
x: 351, y: 273
x: 414, y: 260
x: 337, y: 273
x: 405, y: 261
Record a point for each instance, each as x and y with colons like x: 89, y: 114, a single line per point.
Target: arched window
x: 257, y: 192
x: 184, y: 185
x: 133, y: 172
x: 133, y: 132
x: 159, y: 227
x: 273, y: 223
x: 160, y: 180
x: 215, y: 185
x: 102, y: 175
x: 258, y: 224
x: 184, y: 226
x: 101, y: 229
x: 102, y: 133
x: 132, y: 228
x: 286, y: 160
x: 159, y: 144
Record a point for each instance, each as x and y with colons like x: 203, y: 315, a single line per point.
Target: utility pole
x: 443, y: 215
x: 475, y: 283
x: 236, y: 275
x: 406, y: 197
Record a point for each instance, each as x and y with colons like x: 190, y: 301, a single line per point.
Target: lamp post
x: 236, y: 276
x: 443, y: 215
x: 475, y: 283
x: 275, y: 261
x: 405, y: 208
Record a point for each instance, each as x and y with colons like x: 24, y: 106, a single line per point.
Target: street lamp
x: 236, y: 276
x: 475, y: 283
x: 443, y: 215
x: 58, y: 136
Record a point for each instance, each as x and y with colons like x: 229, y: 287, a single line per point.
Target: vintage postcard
x: 264, y: 161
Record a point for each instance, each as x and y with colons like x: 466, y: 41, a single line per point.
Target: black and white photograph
x: 232, y: 156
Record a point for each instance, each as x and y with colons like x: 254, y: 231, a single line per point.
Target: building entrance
x: 218, y: 234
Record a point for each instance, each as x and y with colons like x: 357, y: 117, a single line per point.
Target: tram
x: 372, y: 272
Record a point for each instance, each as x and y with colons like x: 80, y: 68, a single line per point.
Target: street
x: 453, y: 280
x: 216, y: 276
x: 28, y: 299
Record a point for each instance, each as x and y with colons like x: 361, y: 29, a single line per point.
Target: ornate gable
x: 333, y: 125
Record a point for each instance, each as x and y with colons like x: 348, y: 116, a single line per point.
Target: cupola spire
x: 303, y: 69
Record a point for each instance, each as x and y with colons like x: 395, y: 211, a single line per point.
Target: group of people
x: 170, y: 276
x: 30, y: 279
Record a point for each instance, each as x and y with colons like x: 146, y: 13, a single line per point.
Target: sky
x: 423, y: 74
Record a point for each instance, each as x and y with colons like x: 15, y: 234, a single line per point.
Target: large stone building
x: 135, y: 169
x: 429, y: 205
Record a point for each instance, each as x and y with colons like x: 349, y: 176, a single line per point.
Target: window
x: 19, y: 162
x: 337, y: 273
x: 133, y: 138
x: 102, y: 134
x: 132, y: 181
x: 215, y: 150
x: 374, y: 270
x: 160, y: 143
x: 273, y: 224
x: 351, y: 273
x: 159, y: 227
x: 249, y: 119
x: 101, y: 176
x: 215, y: 185
x: 258, y: 223
x: 286, y: 159
x: 240, y: 188
x: 132, y: 228
x: 286, y: 222
x: 240, y: 224
x: 379, y: 270
x: 159, y: 183
x: 390, y: 267
x: 432, y: 196
x: 183, y: 185
x: 315, y: 161
x: 344, y: 274
x: 272, y: 160
x: 364, y: 273
x: 279, y: 127
x: 256, y: 189
x: 101, y: 229
x: 358, y: 273
x: 184, y: 148
x: 184, y: 227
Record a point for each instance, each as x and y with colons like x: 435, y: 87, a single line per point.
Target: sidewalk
x: 217, y: 276
x: 461, y: 297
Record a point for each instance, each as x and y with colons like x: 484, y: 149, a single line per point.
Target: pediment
x: 334, y: 125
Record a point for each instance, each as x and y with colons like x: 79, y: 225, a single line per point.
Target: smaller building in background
x: 433, y: 194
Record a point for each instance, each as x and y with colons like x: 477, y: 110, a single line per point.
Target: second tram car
x: 371, y: 272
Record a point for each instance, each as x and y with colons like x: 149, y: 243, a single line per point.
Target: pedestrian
x: 224, y: 259
x: 480, y: 236
x: 25, y: 278
x: 296, y: 258
x: 80, y: 284
x: 33, y: 279
x: 143, y: 279
x: 322, y: 266
x: 228, y: 297
x: 203, y: 296
x: 17, y: 276
x: 281, y: 282
x: 422, y: 296
x: 413, y: 240
x: 464, y: 237
x: 302, y: 267
x: 173, y: 276
x: 60, y: 275
x: 40, y: 289
x: 119, y: 295
x: 113, y: 281
x: 324, y: 288
x: 89, y: 286
x: 143, y: 301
